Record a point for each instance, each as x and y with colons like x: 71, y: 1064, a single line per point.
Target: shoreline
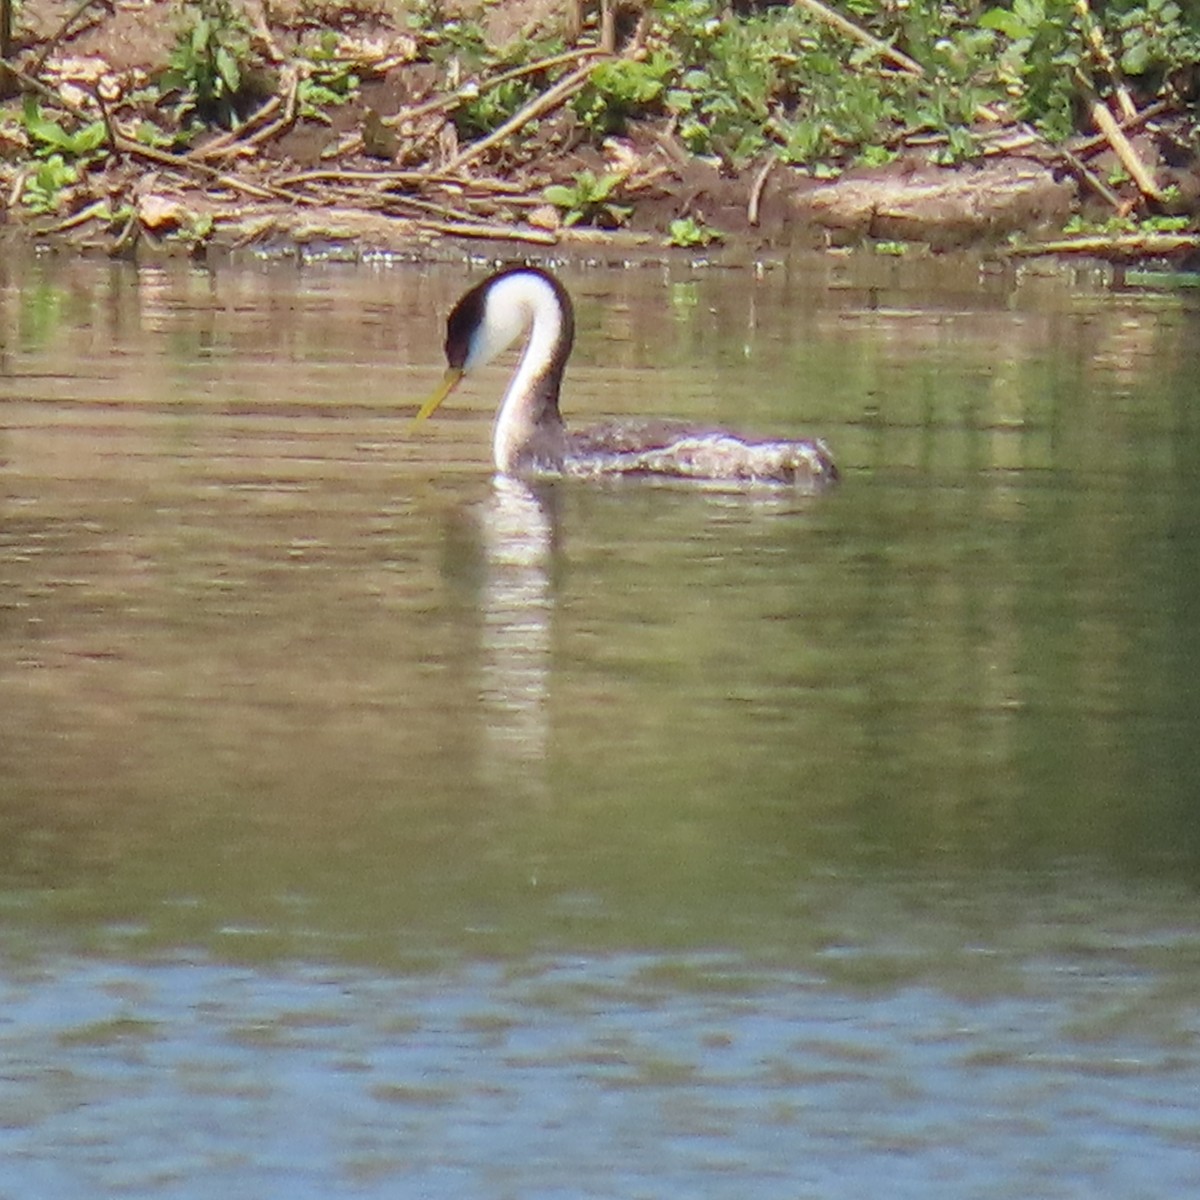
x: 358, y: 135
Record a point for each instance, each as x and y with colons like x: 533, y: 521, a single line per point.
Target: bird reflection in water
x: 519, y: 532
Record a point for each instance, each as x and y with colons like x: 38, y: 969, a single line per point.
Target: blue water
x: 617, y: 1075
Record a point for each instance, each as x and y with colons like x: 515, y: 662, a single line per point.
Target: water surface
x: 367, y: 827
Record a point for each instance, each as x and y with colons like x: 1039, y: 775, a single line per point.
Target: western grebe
x: 529, y: 438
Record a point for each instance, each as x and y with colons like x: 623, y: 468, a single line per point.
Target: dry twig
x: 1084, y: 172
x: 756, y: 189
x: 1103, y: 56
x: 403, y: 179
x: 1089, y: 146
x: 506, y: 233
x: 1107, y: 124
x: 231, y: 141
x: 852, y: 31
x: 18, y: 186
x: 468, y: 91
x: 428, y: 207
x: 82, y: 217
x: 549, y: 99
x: 1131, y: 245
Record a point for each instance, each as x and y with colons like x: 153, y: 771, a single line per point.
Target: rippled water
x: 370, y: 828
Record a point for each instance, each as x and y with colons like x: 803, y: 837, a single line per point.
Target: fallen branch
x: 1025, y: 137
x: 1125, y: 245
x: 400, y: 179
x: 1089, y: 146
x: 391, y: 204
x: 233, y: 139
x: 110, y: 129
x: 1107, y: 124
x: 185, y: 166
x: 44, y: 90
x: 128, y: 235
x: 1094, y: 36
x: 469, y: 91
x: 82, y: 217
x: 18, y: 187
x: 505, y: 233
x: 119, y: 144
x: 756, y: 189
x: 857, y: 34
x: 1020, y: 137
x: 548, y: 100
x: 587, y: 236
x: 266, y: 132
x: 1084, y: 172
x: 262, y: 31
x: 257, y: 129
x: 428, y: 207
x: 252, y: 231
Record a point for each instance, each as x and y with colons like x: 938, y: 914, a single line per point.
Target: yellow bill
x: 449, y: 382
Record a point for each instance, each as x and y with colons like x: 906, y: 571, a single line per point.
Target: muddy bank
x: 388, y: 164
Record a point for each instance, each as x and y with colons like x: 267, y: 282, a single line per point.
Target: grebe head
x: 489, y: 318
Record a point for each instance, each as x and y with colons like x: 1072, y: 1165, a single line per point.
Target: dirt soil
x: 387, y: 170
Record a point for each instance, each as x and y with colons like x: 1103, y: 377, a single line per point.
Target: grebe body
x: 529, y: 437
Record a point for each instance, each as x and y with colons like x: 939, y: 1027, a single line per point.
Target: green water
x: 367, y: 827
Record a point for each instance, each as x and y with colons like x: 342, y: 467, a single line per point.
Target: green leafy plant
x: 210, y: 64
x: 463, y: 38
x: 196, y: 232
x: 960, y: 146
x: 782, y: 80
x: 1156, y: 37
x: 723, y: 102
x: 327, y: 80
x: 47, y: 183
x: 61, y: 153
x: 588, y: 200
x: 623, y: 88
x: 805, y: 140
x: 1052, y: 52
x: 49, y: 136
x: 1045, y: 49
x: 147, y: 133
x: 1116, y: 226
x: 877, y: 156
x: 488, y: 108
x: 688, y: 232
x: 1165, y: 224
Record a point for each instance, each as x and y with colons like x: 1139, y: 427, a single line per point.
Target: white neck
x: 515, y: 304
